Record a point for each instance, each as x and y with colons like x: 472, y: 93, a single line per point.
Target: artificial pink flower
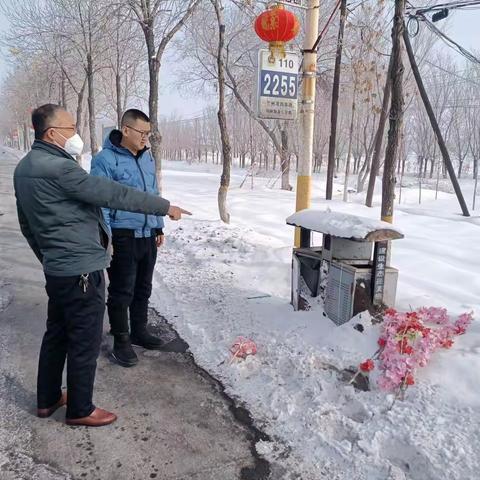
x: 408, y: 341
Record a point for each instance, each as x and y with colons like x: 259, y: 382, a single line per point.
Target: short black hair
x: 132, y: 115
x: 42, y: 118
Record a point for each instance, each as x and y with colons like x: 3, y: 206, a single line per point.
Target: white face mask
x: 73, y: 145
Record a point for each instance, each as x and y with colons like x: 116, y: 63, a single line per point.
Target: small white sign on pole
x: 277, y: 92
x: 294, y: 3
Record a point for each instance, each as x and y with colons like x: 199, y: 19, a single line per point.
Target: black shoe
x: 151, y: 342
x: 146, y: 340
x: 123, y: 352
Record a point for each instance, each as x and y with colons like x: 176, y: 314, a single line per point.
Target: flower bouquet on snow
x: 407, y: 342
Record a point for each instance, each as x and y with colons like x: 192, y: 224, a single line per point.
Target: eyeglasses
x: 142, y: 133
x: 59, y: 128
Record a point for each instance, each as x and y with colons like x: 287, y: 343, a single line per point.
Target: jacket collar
x: 51, y: 148
x: 113, y: 142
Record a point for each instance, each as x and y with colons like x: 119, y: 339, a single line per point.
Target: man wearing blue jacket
x: 126, y: 158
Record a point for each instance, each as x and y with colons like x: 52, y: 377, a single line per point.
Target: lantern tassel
x: 277, y: 49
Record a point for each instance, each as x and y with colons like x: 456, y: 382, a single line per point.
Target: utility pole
x: 335, y: 95
x: 307, y: 112
x: 433, y: 121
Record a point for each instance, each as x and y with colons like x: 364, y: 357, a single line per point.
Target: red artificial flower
x: 415, y: 325
x: 391, y: 312
x: 409, y: 380
x: 408, y: 349
x: 404, y: 347
x: 367, y: 365
x: 447, y: 343
x: 382, y: 342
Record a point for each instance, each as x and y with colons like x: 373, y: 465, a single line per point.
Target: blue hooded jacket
x: 118, y: 163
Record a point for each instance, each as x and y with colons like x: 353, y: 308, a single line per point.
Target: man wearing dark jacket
x: 126, y: 159
x: 59, y: 213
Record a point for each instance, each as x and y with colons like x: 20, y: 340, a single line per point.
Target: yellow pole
x: 307, y: 112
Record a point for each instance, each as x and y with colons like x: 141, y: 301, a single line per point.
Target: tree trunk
x: 25, y: 137
x: 222, y: 120
x: 118, y: 92
x: 420, y: 166
x: 436, y: 128
x: 85, y: 127
x: 379, y: 137
x: 63, y: 91
x: 363, y: 174
x: 335, y: 95
x: 350, y: 142
x: 396, y: 114
x: 91, y: 106
x: 153, y: 76
x: 285, y: 161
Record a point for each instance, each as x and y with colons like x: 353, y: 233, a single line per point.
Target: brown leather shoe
x: 98, y: 418
x: 46, y: 412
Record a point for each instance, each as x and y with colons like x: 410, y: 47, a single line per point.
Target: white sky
x: 462, y: 27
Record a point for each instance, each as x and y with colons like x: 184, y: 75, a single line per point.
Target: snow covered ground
x: 215, y: 282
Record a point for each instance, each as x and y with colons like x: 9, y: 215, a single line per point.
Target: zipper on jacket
x: 144, y: 189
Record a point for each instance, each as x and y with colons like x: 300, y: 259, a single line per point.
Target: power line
x: 451, y: 43
x: 325, y: 28
x: 454, y: 74
x: 458, y: 5
x: 461, y: 106
x: 417, y: 15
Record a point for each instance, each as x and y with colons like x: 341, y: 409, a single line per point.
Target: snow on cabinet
x: 350, y: 272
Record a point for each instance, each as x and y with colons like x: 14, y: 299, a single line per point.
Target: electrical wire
x: 454, y: 74
x: 417, y: 15
x: 325, y: 28
x: 466, y: 5
x: 450, y: 42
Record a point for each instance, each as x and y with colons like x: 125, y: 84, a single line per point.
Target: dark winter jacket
x: 119, y: 164
x: 59, y: 211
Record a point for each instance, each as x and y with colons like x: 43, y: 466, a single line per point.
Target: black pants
x: 130, y: 275
x: 74, y: 333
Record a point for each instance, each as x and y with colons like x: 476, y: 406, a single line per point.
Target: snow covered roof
x: 344, y: 225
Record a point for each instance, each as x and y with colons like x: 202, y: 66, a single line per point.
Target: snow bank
x: 344, y: 225
x: 215, y: 282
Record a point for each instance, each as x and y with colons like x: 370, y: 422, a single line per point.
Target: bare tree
x: 159, y: 20
x: 222, y: 121
x: 396, y: 113
x: 124, y: 59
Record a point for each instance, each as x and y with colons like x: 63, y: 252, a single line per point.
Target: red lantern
x: 277, y: 26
